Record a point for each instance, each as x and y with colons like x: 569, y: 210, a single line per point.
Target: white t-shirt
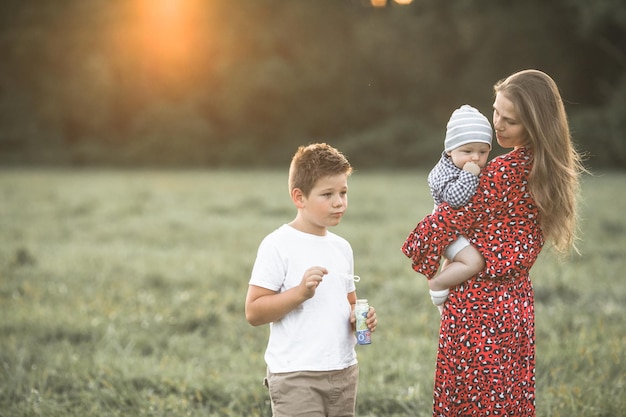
x: 316, y: 336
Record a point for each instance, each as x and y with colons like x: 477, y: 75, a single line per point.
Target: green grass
x: 121, y: 294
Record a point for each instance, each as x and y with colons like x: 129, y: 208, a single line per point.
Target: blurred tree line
x: 242, y: 83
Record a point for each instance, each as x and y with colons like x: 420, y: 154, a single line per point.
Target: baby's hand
x: 472, y: 168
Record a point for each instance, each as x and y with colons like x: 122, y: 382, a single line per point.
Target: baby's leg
x: 472, y: 261
x: 466, y: 263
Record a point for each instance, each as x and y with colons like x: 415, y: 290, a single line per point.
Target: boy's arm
x: 352, y: 300
x: 265, y: 306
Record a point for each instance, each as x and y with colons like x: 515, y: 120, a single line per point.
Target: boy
x: 298, y: 285
x: 454, y: 180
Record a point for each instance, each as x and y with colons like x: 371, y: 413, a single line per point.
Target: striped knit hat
x: 467, y: 125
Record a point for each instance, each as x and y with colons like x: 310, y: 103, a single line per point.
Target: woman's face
x: 510, y: 132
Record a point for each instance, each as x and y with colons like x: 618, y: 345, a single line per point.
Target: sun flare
x: 168, y: 28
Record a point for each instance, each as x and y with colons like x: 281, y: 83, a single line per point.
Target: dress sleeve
x: 426, y: 243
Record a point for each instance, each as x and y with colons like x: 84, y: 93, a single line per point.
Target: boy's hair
x: 315, y: 161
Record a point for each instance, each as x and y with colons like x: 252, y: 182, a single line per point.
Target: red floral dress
x: 486, y: 355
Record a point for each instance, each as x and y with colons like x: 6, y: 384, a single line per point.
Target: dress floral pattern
x: 486, y: 355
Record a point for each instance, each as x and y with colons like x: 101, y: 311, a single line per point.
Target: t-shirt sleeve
x: 268, y: 271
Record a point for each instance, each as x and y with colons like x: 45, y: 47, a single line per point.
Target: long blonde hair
x: 554, y: 178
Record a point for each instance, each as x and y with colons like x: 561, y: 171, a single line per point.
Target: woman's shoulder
x: 505, y: 170
x: 520, y: 158
x: 517, y: 155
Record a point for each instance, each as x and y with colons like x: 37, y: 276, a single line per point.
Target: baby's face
x: 476, y: 152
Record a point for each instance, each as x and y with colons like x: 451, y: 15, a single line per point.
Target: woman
x: 486, y: 355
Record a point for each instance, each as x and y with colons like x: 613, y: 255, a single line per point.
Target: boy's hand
x: 371, y: 320
x: 311, y: 279
x: 472, y: 168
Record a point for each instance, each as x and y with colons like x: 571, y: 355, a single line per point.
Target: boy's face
x: 476, y: 152
x: 325, y: 205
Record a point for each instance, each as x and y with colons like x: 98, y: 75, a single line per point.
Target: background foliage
x: 122, y: 294
x: 243, y: 83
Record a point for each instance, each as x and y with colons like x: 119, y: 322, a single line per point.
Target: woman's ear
x: 297, y: 196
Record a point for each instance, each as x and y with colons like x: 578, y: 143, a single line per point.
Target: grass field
x: 122, y: 292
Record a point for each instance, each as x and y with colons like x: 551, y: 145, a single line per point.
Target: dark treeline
x: 244, y: 82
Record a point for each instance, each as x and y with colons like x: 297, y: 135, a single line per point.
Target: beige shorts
x: 314, y: 394
x: 455, y: 247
